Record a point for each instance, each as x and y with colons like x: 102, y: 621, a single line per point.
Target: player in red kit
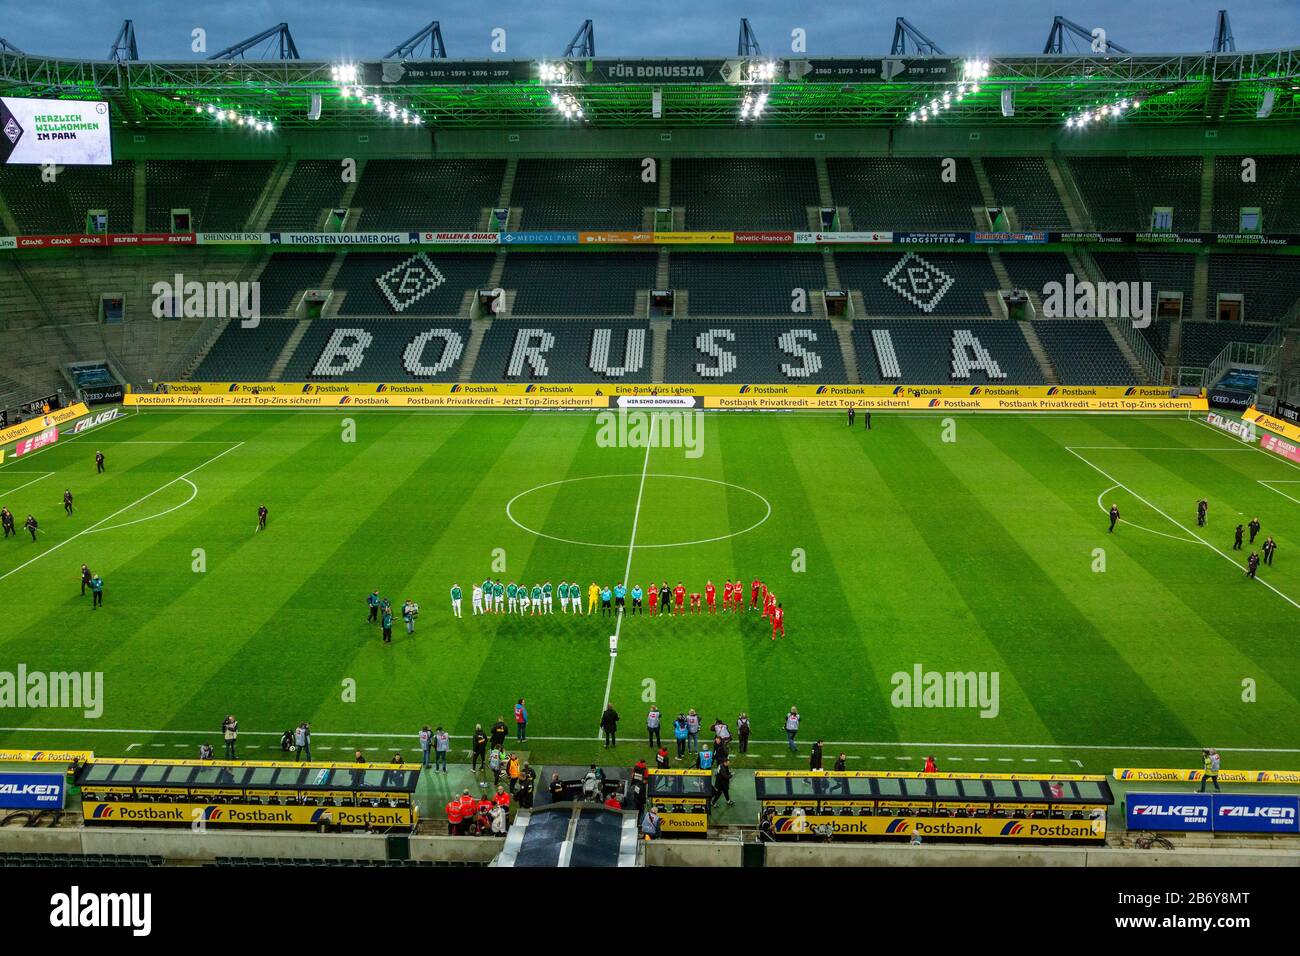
x: 769, y: 603
x: 679, y: 598
x: 737, y: 595
x: 653, y: 598
x: 711, y: 597
x: 753, y: 594
x: 778, y: 622
x: 695, y: 602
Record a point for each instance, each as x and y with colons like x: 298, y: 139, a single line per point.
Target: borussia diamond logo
x: 409, y: 281
x: 13, y: 130
x: 919, y: 282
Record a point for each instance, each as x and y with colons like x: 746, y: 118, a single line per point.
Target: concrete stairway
x: 659, y: 348
x: 477, y: 331
x: 1139, y: 373
x: 1040, y: 354
x: 844, y: 332
x: 270, y: 198
x: 1067, y: 190
x: 290, y: 346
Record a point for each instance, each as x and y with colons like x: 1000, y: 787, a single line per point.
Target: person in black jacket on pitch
x: 609, y: 724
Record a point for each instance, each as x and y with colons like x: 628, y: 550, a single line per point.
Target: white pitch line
x: 56, y: 547
x: 66, y: 441
x: 1250, y: 447
x: 627, y: 571
x: 194, y: 493
x: 1131, y: 524
x: 1178, y: 525
x: 44, y: 475
x: 1269, y: 485
x: 918, y: 745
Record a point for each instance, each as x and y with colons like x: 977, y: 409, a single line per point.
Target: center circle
x: 510, y: 510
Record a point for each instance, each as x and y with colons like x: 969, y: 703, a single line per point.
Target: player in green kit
x: 487, y: 595
x: 498, y: 596
x: 575, y: 597
x: 536, y: 596
x: 563, y: 590
x: 548, y: 606
x: 512, y: 597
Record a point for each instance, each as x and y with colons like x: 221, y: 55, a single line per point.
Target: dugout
x: 335, y: 796
x: 893, y: 805
x: 683, y: 799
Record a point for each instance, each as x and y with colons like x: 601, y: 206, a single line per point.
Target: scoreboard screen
x: 65, y: 132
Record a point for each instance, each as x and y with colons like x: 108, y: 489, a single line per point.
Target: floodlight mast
x: 7, y: 47
x: 124, y: 48
x: 583, y: 43
x: 408, y: 47
x: 1063, y: 25
x: 747, y: 43
x: 1223, y: 39
x: 903, y: 31
x: 279, y: 33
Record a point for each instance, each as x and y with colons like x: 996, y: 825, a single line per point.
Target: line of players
x: 494, y: 597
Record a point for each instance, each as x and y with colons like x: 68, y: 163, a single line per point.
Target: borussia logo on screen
x: 13, y: 130
x: 919, y: 282
x: 409, y: 281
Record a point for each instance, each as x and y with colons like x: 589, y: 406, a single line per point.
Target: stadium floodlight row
x: 627, y: 92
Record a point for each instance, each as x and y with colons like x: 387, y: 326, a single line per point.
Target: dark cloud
x: 334, y: 29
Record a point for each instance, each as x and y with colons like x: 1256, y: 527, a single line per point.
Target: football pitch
x: 966, y: 544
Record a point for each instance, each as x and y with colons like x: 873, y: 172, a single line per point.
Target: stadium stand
x: 1166, y: 271
x: 379, y: 350
x: 1203, y: 341
x: 970, y: 351
x: 576, y: 283
x: 745, y: 193
x: 219, y: 194
x: 427, y: 194
x: 904, y: 193
x: 732, y: 283
x: 287, y: 274
x: 60, y: 207
x: 582, y: 193
x: 519, y: 350
x: 1275, y: 191
x: 314, y: 186
x: 1120, y: 192
x: 796, y: 350
x: 1157, y: 336
x: 1083, y: 352
x: 1269, y: 285
x: 1024, y: 183
x: 1033, y: 270
x: 247, y: 355
x: 919, y: 284
x: 422, y: 283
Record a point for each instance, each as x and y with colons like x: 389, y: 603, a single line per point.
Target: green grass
x: 972, y: 555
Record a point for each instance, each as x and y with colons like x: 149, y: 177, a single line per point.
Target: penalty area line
x: 1178, y: 524
x: 119, y: 511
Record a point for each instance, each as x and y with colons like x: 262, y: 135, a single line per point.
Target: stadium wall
x: 748, y: 141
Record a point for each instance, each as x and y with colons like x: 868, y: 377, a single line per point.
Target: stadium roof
x: 1191, y: 89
